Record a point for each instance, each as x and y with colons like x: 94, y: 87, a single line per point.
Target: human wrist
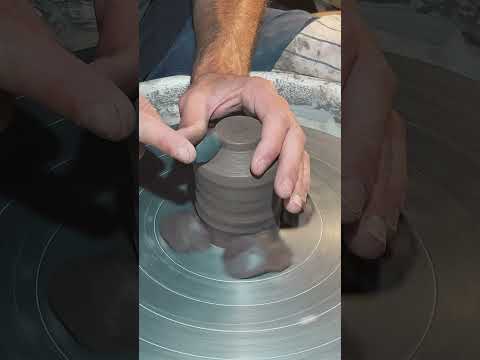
x: 221, y: 57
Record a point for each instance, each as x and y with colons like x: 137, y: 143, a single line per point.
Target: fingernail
x: 371, y: 242
x: 285, y: 189
x: 353, y: 200
x: 297, y: 202
x: 185, y: 155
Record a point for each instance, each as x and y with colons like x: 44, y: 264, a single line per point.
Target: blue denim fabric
x: 277, y: 30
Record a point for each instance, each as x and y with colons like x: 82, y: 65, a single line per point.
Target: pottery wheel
x: 191, y: 308
x: 429, y: 309
x: 39, y: 236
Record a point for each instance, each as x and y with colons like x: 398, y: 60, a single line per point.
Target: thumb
x: 153, y: 131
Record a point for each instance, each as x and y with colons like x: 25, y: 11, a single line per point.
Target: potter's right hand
x: 213, y: 96
x: 153, y: 131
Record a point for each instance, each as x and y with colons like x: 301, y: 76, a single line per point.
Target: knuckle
x: 263, y: 84
x: 162, y: 142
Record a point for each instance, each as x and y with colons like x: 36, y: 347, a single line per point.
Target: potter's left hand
x: 213, y: 96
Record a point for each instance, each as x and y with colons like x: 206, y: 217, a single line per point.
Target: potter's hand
x: 56, y: 78
x: 374, y: 173
x: 153, y: 131
x: 379, y: 218
x: 213, y: 96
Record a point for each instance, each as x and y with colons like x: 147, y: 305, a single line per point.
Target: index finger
x: 281, y: 135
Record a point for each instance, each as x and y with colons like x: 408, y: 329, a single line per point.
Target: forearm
x: 226, y: 31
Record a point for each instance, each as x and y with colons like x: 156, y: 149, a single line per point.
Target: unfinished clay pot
x: 233, y: 209
x: 227, y: 196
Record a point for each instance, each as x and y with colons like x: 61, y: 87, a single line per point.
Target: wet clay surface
x: 227, y: 196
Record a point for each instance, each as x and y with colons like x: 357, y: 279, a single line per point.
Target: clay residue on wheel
x: 245, y: 256
x: 185, y: 232
x: 256, y: 254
